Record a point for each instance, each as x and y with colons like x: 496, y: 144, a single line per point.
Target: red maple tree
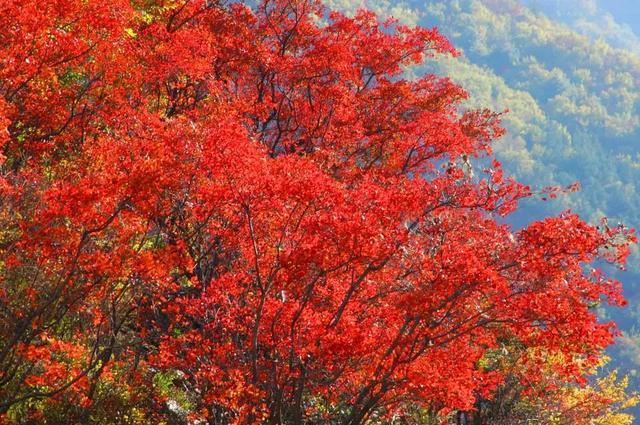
x: 253, y: 205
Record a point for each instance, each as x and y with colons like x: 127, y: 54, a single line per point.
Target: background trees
x: 532, y: 59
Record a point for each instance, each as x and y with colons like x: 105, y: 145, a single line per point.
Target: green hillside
x: 569, y: 75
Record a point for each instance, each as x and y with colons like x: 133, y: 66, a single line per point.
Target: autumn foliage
x: 243, y: 214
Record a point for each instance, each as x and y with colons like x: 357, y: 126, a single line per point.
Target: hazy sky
x: 625, y: 11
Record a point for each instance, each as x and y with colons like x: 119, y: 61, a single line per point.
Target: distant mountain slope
x: 574, y: 103
x: 615, y: 21
x: 569, y: 73
x: 586, y: 121
x: 625, y: 11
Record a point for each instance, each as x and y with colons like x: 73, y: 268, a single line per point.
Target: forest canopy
x: 278, y: 213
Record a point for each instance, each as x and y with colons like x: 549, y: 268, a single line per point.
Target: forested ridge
x: 572, y: 98
x: 273, y: 212
x: 569, y: 74
x: 571, y: 85
x: 574, y: 104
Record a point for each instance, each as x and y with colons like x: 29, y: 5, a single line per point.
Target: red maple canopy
x: 254, y: 202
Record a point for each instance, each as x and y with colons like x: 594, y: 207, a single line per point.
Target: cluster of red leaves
x: 255, y: 198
